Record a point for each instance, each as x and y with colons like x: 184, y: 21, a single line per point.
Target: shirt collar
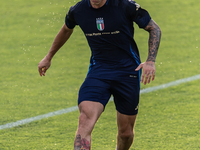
x: 91, y: 6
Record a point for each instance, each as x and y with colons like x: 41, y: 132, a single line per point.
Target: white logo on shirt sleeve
x: 137, y: 5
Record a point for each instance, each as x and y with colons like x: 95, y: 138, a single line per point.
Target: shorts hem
x: 128, y: 113
x: 92, y: 101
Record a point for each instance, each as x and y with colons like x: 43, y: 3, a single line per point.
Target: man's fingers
x: 148, y: 72
x: 139, y: 67
x: 43, y: 65
x: 42, y: 71
x: 143, y: 76
x: 149, y: 77
x: 153, y: 76
x: 146, y: 78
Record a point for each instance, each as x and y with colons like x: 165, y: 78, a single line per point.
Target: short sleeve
x: 69, y: 19
x: 140, y: 16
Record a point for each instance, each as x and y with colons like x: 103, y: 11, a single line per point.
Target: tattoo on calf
x: 81, y: 144
x: 77, y: 142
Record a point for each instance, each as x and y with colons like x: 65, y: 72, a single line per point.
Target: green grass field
x: 168, y: 119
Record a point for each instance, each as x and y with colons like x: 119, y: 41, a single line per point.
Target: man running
x: 115, y: 66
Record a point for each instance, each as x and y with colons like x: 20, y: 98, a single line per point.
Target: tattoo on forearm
x: 81, y: 144
x: 154, y: 40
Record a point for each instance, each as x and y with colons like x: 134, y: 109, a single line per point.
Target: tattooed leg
x: 81, y: 144
x: 77, y: 142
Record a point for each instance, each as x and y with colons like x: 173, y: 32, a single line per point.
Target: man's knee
x: 125, y: 125
x: 83, y: 118
x: 126, y: 134
x: 89, y: 113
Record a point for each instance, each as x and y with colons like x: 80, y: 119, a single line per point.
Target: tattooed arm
x: 154, y: 41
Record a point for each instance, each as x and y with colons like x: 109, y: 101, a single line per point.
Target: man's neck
x: 97, y: 3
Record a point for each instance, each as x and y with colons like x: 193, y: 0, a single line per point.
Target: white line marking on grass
x: 74, y: 108
x: 28, y: 120
x: 170, y: 84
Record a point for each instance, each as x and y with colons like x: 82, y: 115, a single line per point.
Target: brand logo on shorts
x: 100, y: 24
x: 133, y: 76
x: 137, y: 107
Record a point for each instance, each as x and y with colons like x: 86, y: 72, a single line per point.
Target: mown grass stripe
x: 74, y: 108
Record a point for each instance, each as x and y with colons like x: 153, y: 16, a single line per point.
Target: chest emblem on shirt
x: 100, y: 24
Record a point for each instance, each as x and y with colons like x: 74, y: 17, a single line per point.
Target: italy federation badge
x: 100, y: 24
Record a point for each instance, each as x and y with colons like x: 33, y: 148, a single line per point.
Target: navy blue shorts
x: 125, y: 92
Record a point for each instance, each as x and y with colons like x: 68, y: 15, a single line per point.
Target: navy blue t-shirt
x: 109, y: 31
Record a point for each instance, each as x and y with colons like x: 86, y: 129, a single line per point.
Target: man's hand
x: 148, y: 71
x: 44, y: 64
